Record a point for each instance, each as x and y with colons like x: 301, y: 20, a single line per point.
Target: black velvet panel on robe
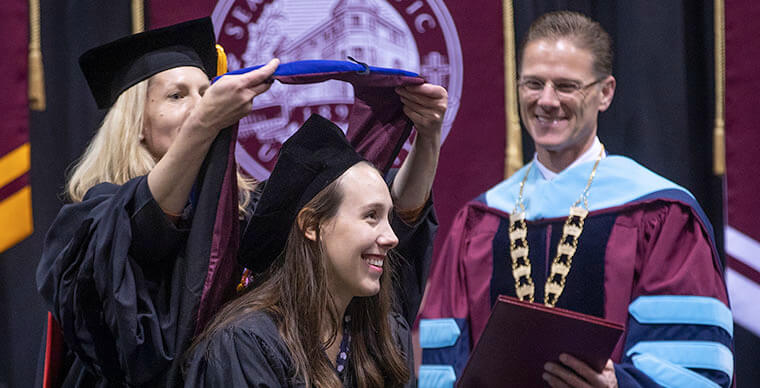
x: 584, y: 296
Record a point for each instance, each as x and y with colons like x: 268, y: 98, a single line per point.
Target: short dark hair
x: 582, y: 30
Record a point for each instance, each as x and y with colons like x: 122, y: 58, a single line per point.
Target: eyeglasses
x: 561, y: 88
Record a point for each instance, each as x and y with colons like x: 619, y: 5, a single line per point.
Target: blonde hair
x: 117, y: 155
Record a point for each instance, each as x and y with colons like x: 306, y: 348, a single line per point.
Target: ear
x: 309, y: 229
x: 145, y: 130
x: 608, y: 92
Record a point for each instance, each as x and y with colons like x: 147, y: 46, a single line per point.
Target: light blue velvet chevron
x: 682, y: 309
x: 689, y: 354
x: 436, y: 376
x: 438, y: 333
x: 670, y: 375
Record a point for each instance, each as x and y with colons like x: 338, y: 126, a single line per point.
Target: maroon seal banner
x: 449, y: 43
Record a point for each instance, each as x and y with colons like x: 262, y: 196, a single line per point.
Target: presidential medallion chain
x: 568, y: 244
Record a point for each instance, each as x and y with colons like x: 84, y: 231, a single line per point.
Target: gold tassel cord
x: 719, y: 132
x: 36, y: 76
x: 221, y: 60
x: 138, y: 16
x: 513, y: 155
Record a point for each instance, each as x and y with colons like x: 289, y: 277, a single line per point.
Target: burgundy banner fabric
x: 14, y: 130
x: 164, y: 13
x: 449, y: 43
x: 742, y: 161
x: 15, y: 196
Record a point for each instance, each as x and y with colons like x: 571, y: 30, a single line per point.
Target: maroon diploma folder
x: 520, y: 337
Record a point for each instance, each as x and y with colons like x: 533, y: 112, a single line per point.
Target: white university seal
x: 413, y: 35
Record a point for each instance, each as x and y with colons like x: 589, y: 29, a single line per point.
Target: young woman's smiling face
x: 357, y: 239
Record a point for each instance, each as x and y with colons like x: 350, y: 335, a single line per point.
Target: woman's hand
x: 426, y: 106
x: 223, y: 104
x: 230, y: 99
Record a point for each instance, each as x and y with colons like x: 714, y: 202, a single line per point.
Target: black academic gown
x: 125, y: 284
x: 113, y: 274
x: 116, y: 275
x: 251, y: 353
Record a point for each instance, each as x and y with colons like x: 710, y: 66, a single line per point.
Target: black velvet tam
x: 113, y: 67
x: 315, y: 156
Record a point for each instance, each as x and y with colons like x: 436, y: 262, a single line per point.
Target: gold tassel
x: 221, y: 60
x: 513, y: 154
x: 719, y: 132
x: 138, y: 16
x: 36, y: 77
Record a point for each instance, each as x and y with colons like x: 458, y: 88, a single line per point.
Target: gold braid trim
x: 563, y: 259
x: 719, y: 133
x: 519, y: 249
x: 138, y: 16
x: 513, y: 154
x: 36, y: 80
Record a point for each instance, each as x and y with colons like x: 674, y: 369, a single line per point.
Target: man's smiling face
x: 558, y: 121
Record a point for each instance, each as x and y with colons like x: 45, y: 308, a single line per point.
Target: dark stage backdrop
x: 662, y: 114
x: 58, y: 136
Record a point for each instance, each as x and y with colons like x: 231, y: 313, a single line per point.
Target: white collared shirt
x: 589, y: 155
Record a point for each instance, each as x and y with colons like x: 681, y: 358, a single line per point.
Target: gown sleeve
x: 403, y: 334
x: 679, y: 330
x: 416, y: 250
x: 107, y: 274
x: 415, y: 246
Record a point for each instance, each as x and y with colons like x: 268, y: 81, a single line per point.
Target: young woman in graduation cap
x: 324, y: 313
x: 120, y: 269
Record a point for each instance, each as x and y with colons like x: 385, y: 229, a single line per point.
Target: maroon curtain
x: 743, y: 161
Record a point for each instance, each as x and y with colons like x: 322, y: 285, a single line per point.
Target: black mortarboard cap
x: 113, y: 67
x: 315, y: 156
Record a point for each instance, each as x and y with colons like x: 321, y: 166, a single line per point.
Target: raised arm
x: 416, y: 224
x: 223, y: 104
x: 425, y: 105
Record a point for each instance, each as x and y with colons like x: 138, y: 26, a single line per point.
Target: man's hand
x: 576, y: 373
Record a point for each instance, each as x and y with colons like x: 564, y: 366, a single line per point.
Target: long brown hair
x: 295, y: 294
